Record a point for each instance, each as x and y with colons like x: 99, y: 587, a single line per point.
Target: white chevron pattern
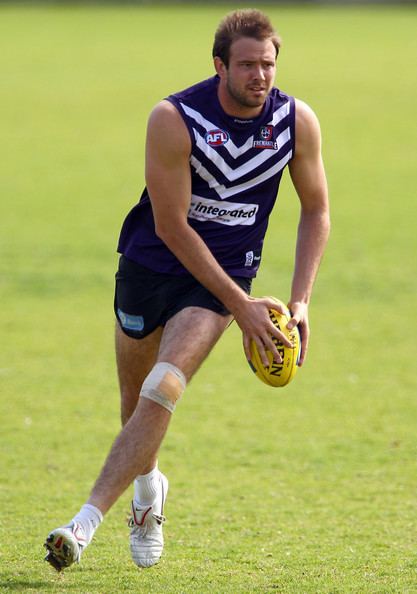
x: 224, y: 192
x: 245, y: 168
x: 230, y: 146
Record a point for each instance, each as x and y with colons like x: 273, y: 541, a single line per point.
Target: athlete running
x: 215, y: 154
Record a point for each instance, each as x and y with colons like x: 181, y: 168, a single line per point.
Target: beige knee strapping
x: 164, y: 385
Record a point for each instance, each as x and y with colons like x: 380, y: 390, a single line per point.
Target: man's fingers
x: 269, y: 344
x: 261, y: 350
x: 294, y: 321
x: 304, y: 335
x: 280, y: 336
x: 246, y: 347
x: 274, y: 303
x: 304, y: 349
x: 265, y: 335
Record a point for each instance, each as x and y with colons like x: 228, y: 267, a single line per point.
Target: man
x: 215, y: 154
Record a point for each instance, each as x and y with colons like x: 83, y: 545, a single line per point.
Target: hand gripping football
x: 278, y: 375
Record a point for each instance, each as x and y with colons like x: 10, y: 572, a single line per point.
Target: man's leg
x: 186, y: 341
x: 135, y: 359
x: 146, y: 535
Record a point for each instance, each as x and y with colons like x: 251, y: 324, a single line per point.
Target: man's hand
x: 252, y: 316
x: 299, y: 317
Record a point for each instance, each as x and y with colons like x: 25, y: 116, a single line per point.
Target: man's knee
x: 164, y: 385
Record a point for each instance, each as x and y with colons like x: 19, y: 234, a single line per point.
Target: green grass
x: 311, y: 489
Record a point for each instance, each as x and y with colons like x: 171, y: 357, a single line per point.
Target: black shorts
x: 145, y: 299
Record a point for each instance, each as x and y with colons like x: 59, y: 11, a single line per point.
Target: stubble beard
x: 242, y: 98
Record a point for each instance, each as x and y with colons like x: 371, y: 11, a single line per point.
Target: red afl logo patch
x: 216, y: 137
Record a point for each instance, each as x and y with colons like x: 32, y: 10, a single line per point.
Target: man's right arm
x: 168, y: 181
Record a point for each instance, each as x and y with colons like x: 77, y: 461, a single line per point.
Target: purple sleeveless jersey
x: 236, y: 167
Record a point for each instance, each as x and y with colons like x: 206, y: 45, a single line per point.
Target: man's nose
x: 259, y: 72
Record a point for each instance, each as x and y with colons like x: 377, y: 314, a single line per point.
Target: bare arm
x: 168, y: 181
x: 308, y: 176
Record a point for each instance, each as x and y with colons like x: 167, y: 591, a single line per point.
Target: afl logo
x: 216, y: 137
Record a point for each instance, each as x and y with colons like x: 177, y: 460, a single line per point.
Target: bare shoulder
x: 305, y: 116
x: 165, y: 113
x: 307, y: 127
x: 167, y: 129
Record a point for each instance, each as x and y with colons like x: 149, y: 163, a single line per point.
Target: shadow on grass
x: 20, y: 585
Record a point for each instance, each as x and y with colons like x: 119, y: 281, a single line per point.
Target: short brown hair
x: 243, y: 23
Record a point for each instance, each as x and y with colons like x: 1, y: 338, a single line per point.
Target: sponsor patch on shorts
x: 131, y: 322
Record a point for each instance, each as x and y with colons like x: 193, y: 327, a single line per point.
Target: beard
x: 244, y: 98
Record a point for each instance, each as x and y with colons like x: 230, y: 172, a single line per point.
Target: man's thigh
x: 189, y: 336
x: 162, y: 318
x: 135, y: 359
x: 185, y: 341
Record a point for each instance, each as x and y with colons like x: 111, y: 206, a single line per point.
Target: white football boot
x: 146, y: 537
x: 65, y: 545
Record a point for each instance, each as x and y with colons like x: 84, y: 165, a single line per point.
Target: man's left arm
x: 309, y: 179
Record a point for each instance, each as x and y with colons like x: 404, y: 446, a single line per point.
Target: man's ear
x: 219, y: 66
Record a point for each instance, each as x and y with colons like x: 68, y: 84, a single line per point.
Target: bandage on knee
x: 164, y: 385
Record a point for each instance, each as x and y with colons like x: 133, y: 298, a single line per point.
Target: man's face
x: 251, y: 73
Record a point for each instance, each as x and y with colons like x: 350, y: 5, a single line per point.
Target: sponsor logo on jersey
x: 216, y: 137
x: 265, y: 139
x: 223, y: 212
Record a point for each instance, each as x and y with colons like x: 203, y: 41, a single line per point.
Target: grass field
x: 311, y: 489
